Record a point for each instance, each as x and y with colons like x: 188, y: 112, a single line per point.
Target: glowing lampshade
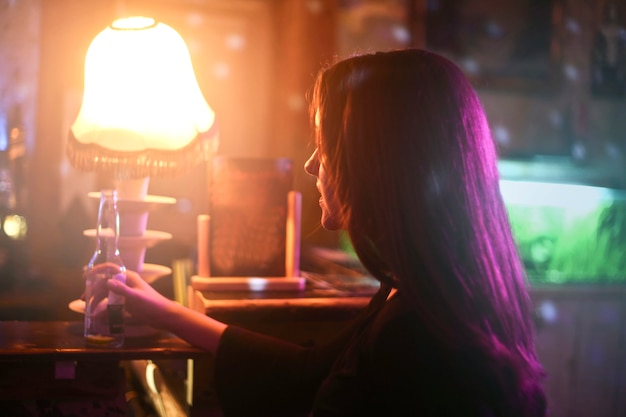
x: 142, y: 113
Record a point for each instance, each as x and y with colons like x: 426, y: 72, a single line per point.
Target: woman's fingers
x: 117, y: 287
x: 133, y: 279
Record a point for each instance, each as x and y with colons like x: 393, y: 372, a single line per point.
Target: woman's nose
x: 312, y: 165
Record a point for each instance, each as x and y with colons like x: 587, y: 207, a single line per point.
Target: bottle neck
x: 108, y: 224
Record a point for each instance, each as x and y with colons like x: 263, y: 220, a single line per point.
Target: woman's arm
x: 146, y: 304
x: 255, y: 375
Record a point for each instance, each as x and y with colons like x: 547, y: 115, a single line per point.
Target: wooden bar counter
x: 311, y: 314
x: 28, y: 341
x: 49, y: 359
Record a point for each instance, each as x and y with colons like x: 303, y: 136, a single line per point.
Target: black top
x: 384, y: 365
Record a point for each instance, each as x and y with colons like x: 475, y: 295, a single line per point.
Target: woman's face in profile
x: 331, y: 219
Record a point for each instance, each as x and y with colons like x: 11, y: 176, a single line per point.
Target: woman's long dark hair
x: 406, y: 145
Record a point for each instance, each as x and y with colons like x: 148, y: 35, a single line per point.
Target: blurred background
x: 533, y: 63
x: 551, y: 74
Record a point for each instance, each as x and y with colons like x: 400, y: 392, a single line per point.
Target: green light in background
x: 568, y: 232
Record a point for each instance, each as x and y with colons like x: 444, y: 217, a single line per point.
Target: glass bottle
x: 104, y: 310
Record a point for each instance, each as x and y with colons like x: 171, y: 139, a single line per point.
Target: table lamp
x: 142, y: 115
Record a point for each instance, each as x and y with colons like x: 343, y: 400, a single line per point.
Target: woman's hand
x: 143, y: 302
x: 147, y: 305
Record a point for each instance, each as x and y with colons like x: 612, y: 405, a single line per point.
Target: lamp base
x: 133, y: 248
x: 134, y: 206
x: 134, y: 213
x: 135, y: 189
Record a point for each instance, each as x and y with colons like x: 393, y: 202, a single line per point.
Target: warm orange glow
x: 140, y: 90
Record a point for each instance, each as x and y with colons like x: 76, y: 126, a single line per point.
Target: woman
x: 406, y: 165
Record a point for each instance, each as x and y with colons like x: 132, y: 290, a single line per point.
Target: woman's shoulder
x: 397, y: 328
x: 398, y: 334
x: 397, y: 315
